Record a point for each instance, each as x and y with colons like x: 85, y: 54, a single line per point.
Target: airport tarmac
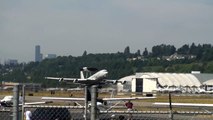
x: 28, y: 98
x: 152, y: 115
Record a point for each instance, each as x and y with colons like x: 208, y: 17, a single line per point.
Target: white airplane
x: 95, y: 79
x: 7, y: 101
x: 101, y: 103
x: 183, y: 104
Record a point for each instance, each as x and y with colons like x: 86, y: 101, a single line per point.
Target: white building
x: 11, y: 62
x: 50, y: 56
x: 176, y: 82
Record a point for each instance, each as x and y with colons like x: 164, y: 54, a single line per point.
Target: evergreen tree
x: 193, y: 49
x: 138, y: 53
x: 145, y: 52
x: 127, y: 51
x: 183, y: 50
x: 85, y: 53
x: 163, y: 50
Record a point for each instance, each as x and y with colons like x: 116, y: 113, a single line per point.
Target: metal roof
x: 127, y: 78
x: 209, y: 82
x: 173, y: 79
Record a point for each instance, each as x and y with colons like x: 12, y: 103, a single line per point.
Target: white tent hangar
x: 208, y: 85
x: 127, y: 86
x: 147, y: 82
x: 209, y: 82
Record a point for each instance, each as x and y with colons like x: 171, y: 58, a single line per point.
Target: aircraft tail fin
x: 82, y: 75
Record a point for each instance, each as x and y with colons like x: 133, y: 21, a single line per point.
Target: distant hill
x: 162, y: 58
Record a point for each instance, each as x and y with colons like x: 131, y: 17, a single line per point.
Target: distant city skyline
x: 71, y: 27
x: 38, y: 54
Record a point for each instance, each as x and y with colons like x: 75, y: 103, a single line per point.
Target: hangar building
x: 163, y: 82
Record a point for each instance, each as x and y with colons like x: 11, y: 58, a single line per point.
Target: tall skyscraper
x: 38, y: 55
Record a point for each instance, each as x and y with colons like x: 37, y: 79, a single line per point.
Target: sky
x: 69, y: 27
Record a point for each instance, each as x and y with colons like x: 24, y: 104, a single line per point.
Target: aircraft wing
x: 36, y: 103
x: 126, y: 99
x: 104, y: 99
x: 114, y: 81
x: 110, y: 81
x: 62, y: 99
x: 74, y: 80
x: 183, y: 104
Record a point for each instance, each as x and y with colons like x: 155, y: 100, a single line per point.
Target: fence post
x: 170, y: 106
x: 23, y: 101
x: 16, y: 102
x: 93, y: 115
x: 86, y: 102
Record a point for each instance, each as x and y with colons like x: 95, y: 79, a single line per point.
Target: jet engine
x: 75, y: 81
x: 61, y: 79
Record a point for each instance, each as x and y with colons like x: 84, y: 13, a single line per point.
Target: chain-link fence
x: 74, y: 113
x: 5, y: 115
x: 77, y: 113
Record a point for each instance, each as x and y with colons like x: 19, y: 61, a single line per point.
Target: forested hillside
x: 162, y: 58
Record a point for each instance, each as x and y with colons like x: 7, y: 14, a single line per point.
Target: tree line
x: 118, y: 64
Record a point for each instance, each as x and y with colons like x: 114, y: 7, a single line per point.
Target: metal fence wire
x: 5, y: 115
x: 72, y: 113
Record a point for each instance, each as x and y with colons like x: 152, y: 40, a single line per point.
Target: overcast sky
x: 68, y: 27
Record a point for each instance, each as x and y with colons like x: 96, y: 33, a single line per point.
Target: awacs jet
x: 96, y: 79
x: 7, y: 101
